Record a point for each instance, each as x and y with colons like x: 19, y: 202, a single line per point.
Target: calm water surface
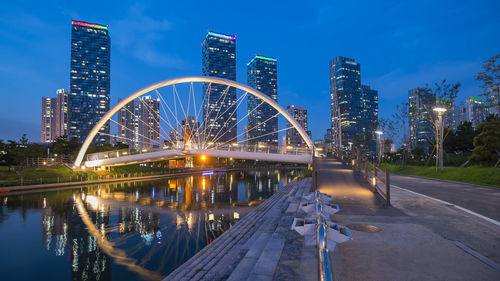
x: 124, y: 231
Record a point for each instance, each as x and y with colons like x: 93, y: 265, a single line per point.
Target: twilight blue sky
x: 400, y: 45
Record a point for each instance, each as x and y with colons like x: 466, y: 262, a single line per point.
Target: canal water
x: 124, y: 231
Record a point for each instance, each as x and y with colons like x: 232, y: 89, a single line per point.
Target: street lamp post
x: 350, y: 145
x: 379, y: 135
x: 440, y: 111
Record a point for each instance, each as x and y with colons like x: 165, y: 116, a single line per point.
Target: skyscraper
x: 48, y: 119
x: 293, y: 137
x: 421, y: 104
x: 457, y: 116
x: 89, y: 80
x: 62, y: 113
x: 262, y: 118
x: 475, y: 110
x: 139, y: 123
x: 369, y: 115
x: 346, y: 100
x: 219, y: 101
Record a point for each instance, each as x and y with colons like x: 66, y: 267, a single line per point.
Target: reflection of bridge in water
x: 148, y: 228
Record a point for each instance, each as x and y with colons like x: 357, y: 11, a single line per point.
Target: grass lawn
x: 32, y: 176
x: 473, y: 174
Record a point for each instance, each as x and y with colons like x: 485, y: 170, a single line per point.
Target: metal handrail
x: 324, y: 270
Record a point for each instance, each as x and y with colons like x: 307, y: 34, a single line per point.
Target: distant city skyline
x: 153, y: 45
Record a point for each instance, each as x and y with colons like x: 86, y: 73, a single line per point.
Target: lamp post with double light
x: 379, y: 136
x: 440, y: 128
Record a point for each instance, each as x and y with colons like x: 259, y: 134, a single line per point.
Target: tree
x: 401, y: 116
x: 490, y: 81
x: 487, y: 142
x: 444, y: 94
x: 63, y: 146
x: 461, y: 141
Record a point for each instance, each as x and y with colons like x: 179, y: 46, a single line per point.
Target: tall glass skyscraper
x: 219, y: 103
x: 262, y: 122
x: 346, y: 100
x: 89, y: 80
x: 369, y: 115
x: 421, y: 127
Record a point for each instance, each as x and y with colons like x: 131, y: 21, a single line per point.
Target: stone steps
x: 224, y: 251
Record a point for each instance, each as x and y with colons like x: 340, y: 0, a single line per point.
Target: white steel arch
x: 203, y: 79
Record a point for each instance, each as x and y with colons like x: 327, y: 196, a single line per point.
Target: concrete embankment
x: 259, y: 247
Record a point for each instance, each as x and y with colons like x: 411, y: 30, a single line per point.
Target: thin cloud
x: 139, y: 35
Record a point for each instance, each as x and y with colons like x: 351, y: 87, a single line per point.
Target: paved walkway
x: 420, y: 238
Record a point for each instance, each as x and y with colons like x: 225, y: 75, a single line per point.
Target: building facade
x: 346, y: 100
x: 62, y: 113
x: 262, y: 117
x: 54, y: 116
x: 219, y: 101
x: 139, y: 123
x: 89, y: 93
x: 421, y: 104
x: 458, y: 116
x: 48, y: 119
x: 475, y: 110
x: 293, y: 137
x: 369, y: 116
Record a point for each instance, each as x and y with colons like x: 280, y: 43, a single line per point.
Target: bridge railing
x: 379, y: 179
x: 289, y: 150
x: 258, y: 148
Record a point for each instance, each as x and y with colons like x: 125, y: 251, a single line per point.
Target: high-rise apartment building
x: 262, y: 118
x: 48, y: 119
x: 421, y: 104
x: 89, y: 93
x: 475, y: 110
x: 139, y: 123
x: 219, y: 101
x: 293, y: 137
x: 458, y: 116
x: 62, y: 113
x: 346, y: 100
x: 55, y: 116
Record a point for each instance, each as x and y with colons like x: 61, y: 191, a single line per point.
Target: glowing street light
x: 439, y: 136
x: 350, y: 145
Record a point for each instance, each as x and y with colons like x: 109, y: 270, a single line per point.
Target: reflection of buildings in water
x: 64, y: 232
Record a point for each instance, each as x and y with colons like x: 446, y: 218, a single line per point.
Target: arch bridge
x: 158, y: 125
